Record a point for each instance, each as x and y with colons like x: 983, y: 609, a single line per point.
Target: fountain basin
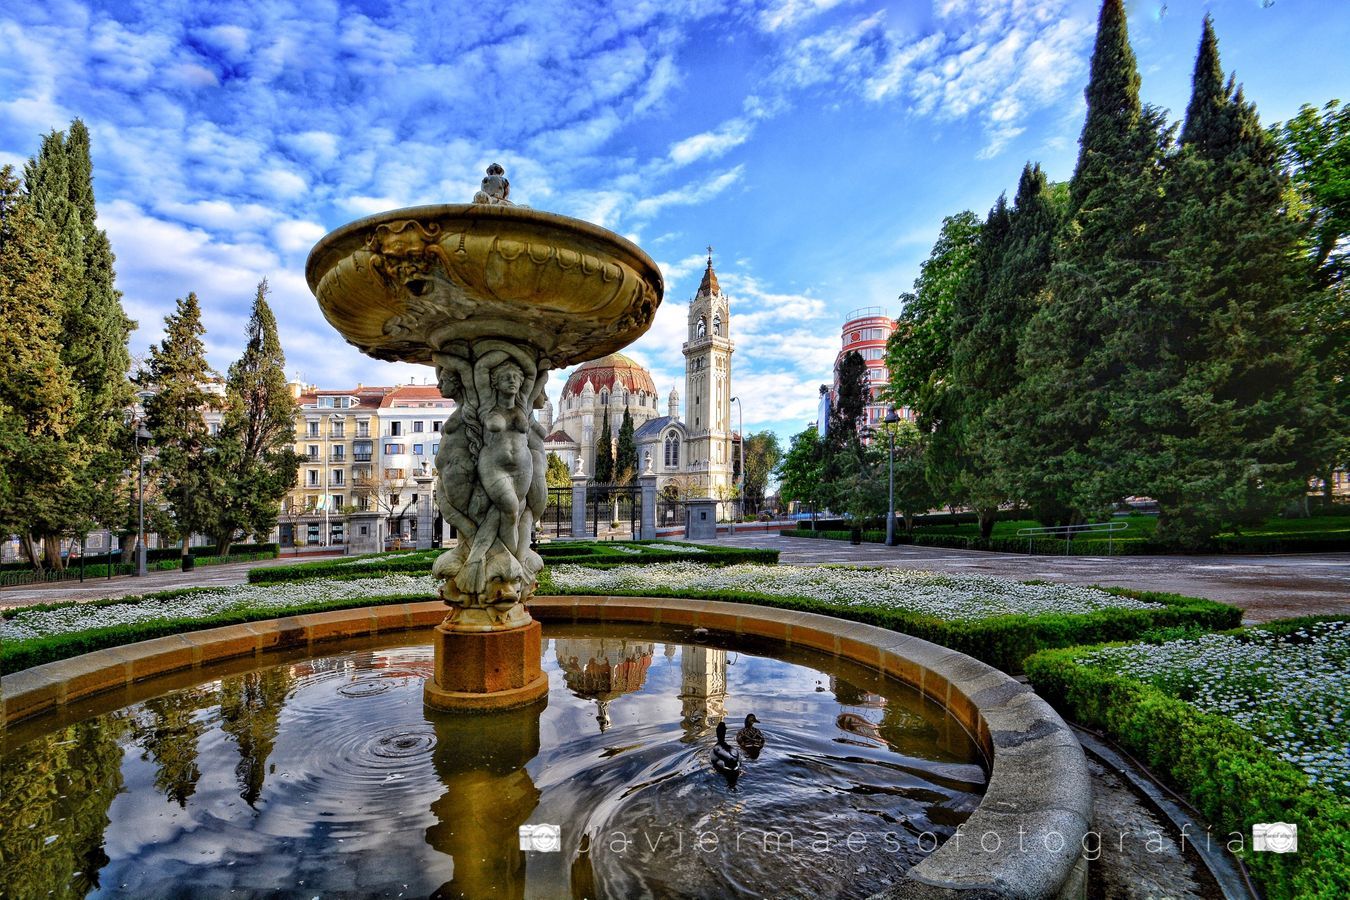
x: 1022, y: 840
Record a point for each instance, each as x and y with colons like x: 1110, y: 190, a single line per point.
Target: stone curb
x: 1022, y: 841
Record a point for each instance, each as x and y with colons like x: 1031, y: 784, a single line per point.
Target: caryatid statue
x: 494, y: 295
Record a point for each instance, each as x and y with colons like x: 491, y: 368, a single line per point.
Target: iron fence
x: 556, y: 522
x: 614, y: 510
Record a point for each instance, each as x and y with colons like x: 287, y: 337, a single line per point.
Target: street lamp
x: 142, y: 434
x: 740, y: 429
x: 891, y: 419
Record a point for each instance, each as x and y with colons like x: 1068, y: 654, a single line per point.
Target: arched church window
x: 717, y: 323
x: 604, y: 397
x: 702, y: 330
x: 672, y: 451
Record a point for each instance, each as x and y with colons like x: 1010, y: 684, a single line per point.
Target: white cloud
x: 689, y: 195
x: 710, y: 144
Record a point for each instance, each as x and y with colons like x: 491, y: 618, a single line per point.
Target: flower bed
x: 1252, y: 725
x: 997, y: 620
x: 39, y: 634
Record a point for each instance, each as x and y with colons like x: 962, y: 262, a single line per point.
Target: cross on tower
x: 710, y: 256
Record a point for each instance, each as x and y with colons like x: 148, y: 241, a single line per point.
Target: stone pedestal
x: 648, y: 483
x: 700, y: 521
x: 363, y: 533
x: 484, y: 671
x: 579, y: 507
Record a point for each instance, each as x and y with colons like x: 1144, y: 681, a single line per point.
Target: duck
x: 750, y: 738
x: 724, y: 759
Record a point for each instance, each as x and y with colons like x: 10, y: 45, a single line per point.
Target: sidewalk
x: 125, y: 585
x: 1266, y: 587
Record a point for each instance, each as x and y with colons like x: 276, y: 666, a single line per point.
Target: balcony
x: 362, y: 457
x: 337, y: 457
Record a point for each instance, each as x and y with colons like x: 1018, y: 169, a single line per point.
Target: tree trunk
x: 909, y: 522
x: 987, y: 519
x: 51, y: 550
x: 223, y: 542
x: 1328, y: 490
x: 30, y: 550
x: 128, y: 542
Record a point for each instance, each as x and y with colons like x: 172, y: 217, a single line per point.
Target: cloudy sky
x: 816, y: 144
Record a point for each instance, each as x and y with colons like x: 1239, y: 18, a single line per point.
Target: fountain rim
x: 348, y: 238
x: 1039, y: 784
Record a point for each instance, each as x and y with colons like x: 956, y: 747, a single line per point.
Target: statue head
x: 507, y: 380
x: 448, y: 380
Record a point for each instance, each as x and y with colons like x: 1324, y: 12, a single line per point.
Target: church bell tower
x: 707, y: 378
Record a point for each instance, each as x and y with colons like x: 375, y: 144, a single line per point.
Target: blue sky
x: 816, y: 144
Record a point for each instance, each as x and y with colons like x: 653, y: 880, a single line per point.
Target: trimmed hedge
x: 1225, y: 770
x: 1093, y: 546
x: 1004, y: 641
x: 597, y: 553
x: 62, y: 646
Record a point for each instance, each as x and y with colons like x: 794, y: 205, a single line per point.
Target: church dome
x: 606, y: 372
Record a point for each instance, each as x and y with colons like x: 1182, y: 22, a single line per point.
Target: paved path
x: 1267, y: 587
x: 124, y: 585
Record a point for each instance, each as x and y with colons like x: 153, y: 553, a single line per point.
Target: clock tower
x: 707, y: 379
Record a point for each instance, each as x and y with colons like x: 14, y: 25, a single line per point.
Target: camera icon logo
x: 541, y: 838
x: 1275, y: 837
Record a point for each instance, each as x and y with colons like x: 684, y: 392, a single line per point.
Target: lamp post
x: 740, y: 429
x: 142, y: 434
x: 891, y: 419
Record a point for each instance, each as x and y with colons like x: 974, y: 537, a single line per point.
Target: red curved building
x: 867, y: 330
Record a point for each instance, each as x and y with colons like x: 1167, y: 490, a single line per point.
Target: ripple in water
x: 328, y: 776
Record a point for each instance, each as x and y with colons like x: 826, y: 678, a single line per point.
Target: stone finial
x: 495, y: 188
x: 580, y: 469
x: 647, y: 464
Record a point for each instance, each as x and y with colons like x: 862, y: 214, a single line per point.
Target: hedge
x: 1003, y: 641
x: 1225, y: 771
x: 597, y: 553
x: 1094, y: 546
x: 62, y: 646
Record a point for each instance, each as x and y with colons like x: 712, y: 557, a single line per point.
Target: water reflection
x: 54, y: 800
x: 327, y: 776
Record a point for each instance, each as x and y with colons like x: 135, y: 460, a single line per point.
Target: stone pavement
x: 1266, y: 587
x: 125, y: 585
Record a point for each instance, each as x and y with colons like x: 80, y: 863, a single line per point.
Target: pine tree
x: 39, y: 458
x: 1063, y: 449
x: 94, y: 334
x: 604, y: 451
x: 253, y: 456
x: 625, y: 456
x: 1223, y: 422
x: 177, y: 374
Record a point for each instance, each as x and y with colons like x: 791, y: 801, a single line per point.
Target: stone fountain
x: 494, y: 295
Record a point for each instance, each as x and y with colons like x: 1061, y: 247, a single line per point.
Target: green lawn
x: 1140, y: 529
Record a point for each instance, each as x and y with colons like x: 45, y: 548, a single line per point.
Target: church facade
x: 692, y: 455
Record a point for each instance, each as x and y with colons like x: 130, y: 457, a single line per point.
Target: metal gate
x: 557, y: 519
x: 614, y: 511
x: 670, y: 513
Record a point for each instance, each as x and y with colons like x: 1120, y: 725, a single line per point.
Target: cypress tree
x: 604, y: 451
x: 177, y: 374
x: 625, y: 457
x: 253, y: 455
x: 1063, y: 449
x: 1224, y: 419
x: 39, y: 458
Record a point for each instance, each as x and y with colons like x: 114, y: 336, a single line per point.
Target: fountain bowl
x: 403, y: 284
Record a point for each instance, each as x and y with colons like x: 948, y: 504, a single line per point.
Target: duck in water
x: 750, y: 738
x: 725, y: 760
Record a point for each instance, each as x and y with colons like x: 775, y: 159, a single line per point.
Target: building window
x: 312, y: 451
x: 337, y: 477
x: 363, y: 428
x: 392, y: 449
x: 338, y: 428
x: 672, y: 452
x: 395, y: 429
x: 313, y: 428
x: 337, y: 502
x: 417, y: 449
x: 435, y: 448
x: 313, y: 480
x: 417, y: 426
x: 339, y: 452
x: 435, y: 426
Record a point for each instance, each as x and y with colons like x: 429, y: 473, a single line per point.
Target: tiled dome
x: 604, y: 372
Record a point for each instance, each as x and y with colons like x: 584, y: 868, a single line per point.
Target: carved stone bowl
x: 406, y: 283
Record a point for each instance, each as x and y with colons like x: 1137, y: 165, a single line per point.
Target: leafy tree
x: 801, y: 470
x: 918, y: 352
x: 39, y: 457
x: 852, y: 395
x: 625, y: 458
x: 177, y: 373
x: 604, y: 451
x: 1100, y: 302
x: 762, y: 454
x: 1316, y: 152
x: 253, y: 458
x: 913, y: 493
x: 557, y: 475
x: 1218, y: 427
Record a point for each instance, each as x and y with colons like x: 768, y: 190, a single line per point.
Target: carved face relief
x: 508, y: 379
x: 447, y: 379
